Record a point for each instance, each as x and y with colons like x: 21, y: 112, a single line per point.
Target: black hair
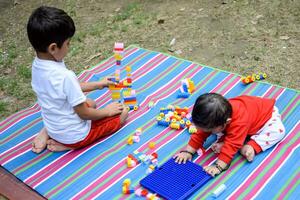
x: 48, y: 25
x: 211, y: 110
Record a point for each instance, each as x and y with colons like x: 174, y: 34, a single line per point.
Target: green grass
x: 3, y: 106
x: 127, y: 12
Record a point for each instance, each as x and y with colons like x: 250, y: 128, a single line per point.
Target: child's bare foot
x: 39, y: 143
x: 248, y: 152
x: 216, y: 147
x: 52, y: 145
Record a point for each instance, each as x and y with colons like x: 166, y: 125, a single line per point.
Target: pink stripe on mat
x: 289, y: 187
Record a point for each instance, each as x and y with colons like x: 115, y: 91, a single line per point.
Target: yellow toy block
x: 118, y: 56
x: 128, y: 68
x: 127, y: 182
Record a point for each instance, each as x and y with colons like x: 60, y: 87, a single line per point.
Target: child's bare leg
x: 216, y: 147
x: 39, y: 143
x: 248, y: 152
x: 124, y: 115
x: 53, y: 145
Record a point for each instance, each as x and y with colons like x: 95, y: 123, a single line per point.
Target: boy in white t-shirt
x: 71, y: 120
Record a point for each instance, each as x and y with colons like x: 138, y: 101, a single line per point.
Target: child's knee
x: 123, y: 116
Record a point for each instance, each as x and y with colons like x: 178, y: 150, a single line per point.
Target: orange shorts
x: 100, y: 128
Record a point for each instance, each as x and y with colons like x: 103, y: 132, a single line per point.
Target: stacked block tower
x: 125, y: 87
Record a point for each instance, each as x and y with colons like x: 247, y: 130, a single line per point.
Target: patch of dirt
x: 243, y: 36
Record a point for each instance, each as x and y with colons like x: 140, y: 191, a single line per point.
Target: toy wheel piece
x: 135, y: 108
x: 246, y: 80
x: 264, y: 75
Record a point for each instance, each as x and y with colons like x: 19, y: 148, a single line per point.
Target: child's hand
x: 216, y: 147
x: 182, y: 157
x: 114, y: 108
x: 212, y: 170
x: 105, y: 82
x: 217, y: 168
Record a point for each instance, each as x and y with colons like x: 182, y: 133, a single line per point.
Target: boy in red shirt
x: 235, y: 120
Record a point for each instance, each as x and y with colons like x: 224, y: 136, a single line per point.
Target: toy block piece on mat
x: 176, y: 181
x: 119, y: 47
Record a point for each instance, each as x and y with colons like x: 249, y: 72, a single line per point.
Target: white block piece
x: 133, y: 93
x: 219, y: 190
x: 199, y: 152
x: 138, y: 192
x: 119, y: 47
x: 136, y: 138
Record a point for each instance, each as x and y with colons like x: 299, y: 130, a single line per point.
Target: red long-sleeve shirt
x: 249, y: 114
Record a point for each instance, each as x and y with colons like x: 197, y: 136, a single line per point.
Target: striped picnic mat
x: 98, y: 171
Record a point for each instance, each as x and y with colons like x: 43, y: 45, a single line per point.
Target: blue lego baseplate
x: 176, y: 181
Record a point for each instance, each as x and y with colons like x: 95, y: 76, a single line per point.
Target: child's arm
x: 90, y: 86
x: 88, y: 113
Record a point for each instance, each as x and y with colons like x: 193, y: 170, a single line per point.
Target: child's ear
x: 52, y: 48
x: 228, y: 121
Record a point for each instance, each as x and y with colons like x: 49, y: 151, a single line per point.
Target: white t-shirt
x: 58, y: 91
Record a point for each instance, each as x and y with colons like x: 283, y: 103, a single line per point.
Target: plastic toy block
x: 130, y: 140
x: 130, y: 107
x: 192, y: 129
x: 151, y: 104
x: 130, y: 163
x: 151, y: 145
x: 130, y: 104
x: 144, y: 193
x: 118, y: 62
x: 154, y: 155
x: 118, y: 56
x: 251, y: 78
x: 192, y: 86
x: 118, y: 46
x: 184, y: 86
x: 150, y: 169
x: 129, y: 80
x: 183, y: 95
x: 138, y: 192
x: 127, y: 182
x: 176, y: 181
x: 163, y: 123
x: 130, y: 98
x: 126, y: 93
x: 136, y: 138
x: 182, y: 123
x: 175, y: 126
x: 217, y: 192
x: 128, y: 68
x: 151, y: 196
x: 138, y: 131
